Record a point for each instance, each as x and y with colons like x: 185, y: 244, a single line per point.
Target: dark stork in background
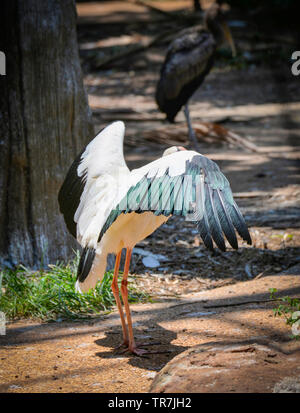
x: 189, y: 59
x: 197, y: 5
x: 107, y: 207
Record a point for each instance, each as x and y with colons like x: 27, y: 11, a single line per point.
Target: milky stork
x: 107, y: 207
x: 189, y: 59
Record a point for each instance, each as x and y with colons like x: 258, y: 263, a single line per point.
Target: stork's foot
x: 143, y: 352
x: 124, y: 343
x: 134, y: 350
x: 152, y: 343
x: 138, y: 351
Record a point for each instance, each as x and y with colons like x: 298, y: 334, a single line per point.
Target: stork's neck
x: 213, y: 19
x: 216, y: 30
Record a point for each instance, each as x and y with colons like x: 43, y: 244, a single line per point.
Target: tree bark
x: 44, y: 123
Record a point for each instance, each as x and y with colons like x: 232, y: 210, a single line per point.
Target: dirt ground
x: 256, y: 100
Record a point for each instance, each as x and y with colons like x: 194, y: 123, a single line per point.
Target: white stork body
x: 107, y: 207
x: 125, y: 232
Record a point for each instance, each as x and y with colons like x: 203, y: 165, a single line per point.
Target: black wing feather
x: 204, y: 222
x: 225, y: 219
x: 85, y: 263
x: 70, y: 193
x: 239, y: 223
x: 214, y: 223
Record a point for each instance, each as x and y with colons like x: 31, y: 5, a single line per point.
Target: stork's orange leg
x: 124, y: 291
x: 132, y: 345
x: 115, y: 290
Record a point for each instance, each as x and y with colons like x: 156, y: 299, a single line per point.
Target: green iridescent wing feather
x: 202, y: 194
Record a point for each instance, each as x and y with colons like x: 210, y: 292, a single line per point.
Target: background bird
x: 189, y: 59
x: 107, y: 207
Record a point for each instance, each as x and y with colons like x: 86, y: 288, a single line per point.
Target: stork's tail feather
x: 77, y: 287
x: 91, y: 268
x: 85, y: 263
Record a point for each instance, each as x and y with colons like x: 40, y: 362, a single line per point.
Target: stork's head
x: 215, y: 22
x: 173, y: 149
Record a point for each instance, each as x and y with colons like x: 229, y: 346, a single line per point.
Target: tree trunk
x: 44, y: 123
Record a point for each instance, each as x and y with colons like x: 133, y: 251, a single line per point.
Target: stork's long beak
x: 229, y: 38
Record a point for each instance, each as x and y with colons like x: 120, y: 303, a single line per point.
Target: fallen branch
x: 222, y: 305
x: 205, y: 131
x: 242, y: 303
x: 153, y: 8
x: 137, y: 48
x: 278, y: 220
x: 103, y: 111
x: 132, y: 116
x: 218, y: 131
x: 269, y: 300
x: 254, y: 194
x: 171, y: 15
x: 261, y: 274
x: 277, y: 39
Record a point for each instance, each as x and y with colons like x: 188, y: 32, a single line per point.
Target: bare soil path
x: 80, y: 357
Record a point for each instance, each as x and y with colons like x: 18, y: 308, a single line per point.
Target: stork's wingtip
x: 248, y: 238
x: 114, y: 128
x: 118, y: 122
x: 118, y: 125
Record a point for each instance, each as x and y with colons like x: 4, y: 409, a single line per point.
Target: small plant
x: 290, y: 309
x: 50, y: 294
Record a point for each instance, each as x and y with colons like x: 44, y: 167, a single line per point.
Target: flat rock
x: 230, y: 368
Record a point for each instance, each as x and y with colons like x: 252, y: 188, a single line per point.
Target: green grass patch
x: 289, y: 308
x: 50, y: 294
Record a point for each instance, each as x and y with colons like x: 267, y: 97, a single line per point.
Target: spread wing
x: 91, y: 185
x: 188, y: 184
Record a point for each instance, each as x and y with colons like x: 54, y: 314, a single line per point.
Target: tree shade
x: 45, y: 121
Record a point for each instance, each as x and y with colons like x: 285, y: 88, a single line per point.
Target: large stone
x: 239, y: 367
